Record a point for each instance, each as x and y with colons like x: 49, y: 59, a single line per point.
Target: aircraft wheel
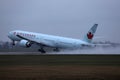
x: 56, y: 49
x: 13, y: 43
x: 42, y: 50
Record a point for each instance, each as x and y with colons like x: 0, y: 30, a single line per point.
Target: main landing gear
x: 56, y: 50
x: 41, y: 50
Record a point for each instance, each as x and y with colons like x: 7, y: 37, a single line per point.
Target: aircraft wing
x: 38, y: 42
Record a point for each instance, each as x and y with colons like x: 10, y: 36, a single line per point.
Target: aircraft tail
x: 89, y: 36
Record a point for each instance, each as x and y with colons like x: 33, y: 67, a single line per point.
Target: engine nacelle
x: 25, y: 43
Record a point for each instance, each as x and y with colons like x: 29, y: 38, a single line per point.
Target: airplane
x: 26, y: 39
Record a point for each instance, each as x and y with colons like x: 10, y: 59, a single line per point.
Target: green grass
x: 9, y: 60
x: 59, y: 67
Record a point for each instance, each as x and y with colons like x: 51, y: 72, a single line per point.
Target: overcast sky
x: 69, y: 18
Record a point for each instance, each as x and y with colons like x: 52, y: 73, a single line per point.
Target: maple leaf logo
x: 90, y: 35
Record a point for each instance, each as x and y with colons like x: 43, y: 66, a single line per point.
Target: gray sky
x: 69, y: 18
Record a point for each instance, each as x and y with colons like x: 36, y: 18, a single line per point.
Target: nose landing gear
x: 13, y: 43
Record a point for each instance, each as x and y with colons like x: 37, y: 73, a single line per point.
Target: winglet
x: 89, y: 36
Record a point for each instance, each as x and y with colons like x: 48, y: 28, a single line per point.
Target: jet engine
x: 25, y: 43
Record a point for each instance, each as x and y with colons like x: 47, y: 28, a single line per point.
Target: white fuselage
x: 52, y: 41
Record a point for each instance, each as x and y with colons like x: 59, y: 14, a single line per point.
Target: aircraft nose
x: 10, y: 34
